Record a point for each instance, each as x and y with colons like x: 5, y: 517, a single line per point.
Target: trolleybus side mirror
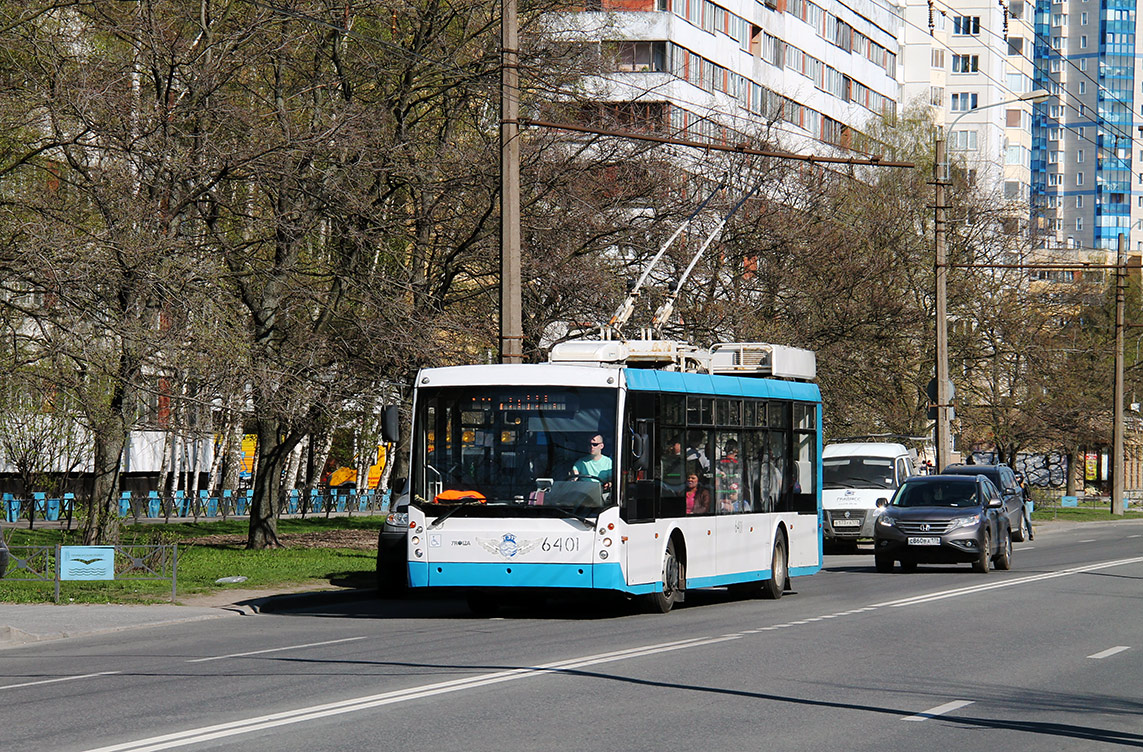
x: 390, y: 425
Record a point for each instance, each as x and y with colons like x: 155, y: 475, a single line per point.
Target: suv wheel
x: 1003, y: 558
x: 984, y: 560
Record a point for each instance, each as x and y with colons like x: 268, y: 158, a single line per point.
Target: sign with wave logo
x: 87, y: 562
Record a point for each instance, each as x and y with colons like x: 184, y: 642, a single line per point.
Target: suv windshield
x: 930, y: 493
x: 529, y: 447
x: 857, y: 472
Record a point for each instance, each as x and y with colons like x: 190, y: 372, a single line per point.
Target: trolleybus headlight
x: 418, y: 553
x: 603, y: 554
x: 416, y: 540
x: 397, y: 519
x: 607, y: 542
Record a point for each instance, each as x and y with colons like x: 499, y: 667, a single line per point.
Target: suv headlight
x: 964, y: 522
x: 885, y: 520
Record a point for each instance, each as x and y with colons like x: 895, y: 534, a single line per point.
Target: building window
x: 1079, y: 155
x: 1053, y: 157
x: 640, y: 56
x: 1079, y: 224
x: 1057, y: 43
x: 1083, y: 41
x: 965, y: 63
x: 1059, y: 19
x: 938, y: 59
x: 936, y: 96
x: 1083, y: 19
x: 1055, y: 179
x: 1056, y: 111
x: 1054, y: 134
x: 964, y: 140
x: 1015, y: 45
x: 1079, y: 202
x: 966, y: 25
x: 1055, y: 65
x: 1083, y: 64
x: 1079, y: 178
x: 964, y: 101
x: 1083, y: 87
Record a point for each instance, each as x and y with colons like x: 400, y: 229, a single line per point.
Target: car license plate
x: 924, y: 541
x: 847, y: 523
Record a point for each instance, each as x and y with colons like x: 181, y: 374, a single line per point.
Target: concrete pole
x: 1117, y: 413
x: 511, y: 317
x: 942, y: 429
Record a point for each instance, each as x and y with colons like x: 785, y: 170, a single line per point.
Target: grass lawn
x: 340, y: 551
x: 1083, y: 514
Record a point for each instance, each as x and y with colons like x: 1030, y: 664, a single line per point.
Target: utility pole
x: 511, y: 314
x: 942, y: 427
x: 1117, y: 413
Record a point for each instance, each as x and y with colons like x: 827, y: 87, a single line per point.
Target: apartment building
x: 971, y: 61
x: 809, y: 74
x: 1088, y: 187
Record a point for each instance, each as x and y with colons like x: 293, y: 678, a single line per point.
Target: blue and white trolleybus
x: 644, y: 467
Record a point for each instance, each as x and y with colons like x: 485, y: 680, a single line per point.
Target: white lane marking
x: 1026, y: 548
x: 233, y: 728
x: 218, y: 731
x: 60, y: 679
x: 941, y: 595
x: 1110, y: 651
x: 948, y: 707
x: 1087, y: 540
x: 1135, y: 536
x: 273, y: 650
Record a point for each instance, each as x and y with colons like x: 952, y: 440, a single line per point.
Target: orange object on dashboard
x: 459, y: 496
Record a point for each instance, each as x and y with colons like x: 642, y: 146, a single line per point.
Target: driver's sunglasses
x: 597, y: 443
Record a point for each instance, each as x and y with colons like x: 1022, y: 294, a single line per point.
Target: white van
x: 854, y: 477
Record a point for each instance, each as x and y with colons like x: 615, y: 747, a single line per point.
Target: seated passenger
x: 698, y: 498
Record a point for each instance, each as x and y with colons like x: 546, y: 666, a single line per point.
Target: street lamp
x: 943, y: 385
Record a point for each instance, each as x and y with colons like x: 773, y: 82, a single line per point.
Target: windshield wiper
x: 437, y: 522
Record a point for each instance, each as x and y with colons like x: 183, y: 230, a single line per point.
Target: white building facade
x: 971, y: 60
x: 809, y: 73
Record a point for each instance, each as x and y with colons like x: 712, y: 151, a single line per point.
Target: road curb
x: 287, y: 602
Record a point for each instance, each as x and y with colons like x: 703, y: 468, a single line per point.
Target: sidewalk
x: 21, y: 624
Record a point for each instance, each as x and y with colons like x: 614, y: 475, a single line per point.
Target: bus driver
x: 595, y: 465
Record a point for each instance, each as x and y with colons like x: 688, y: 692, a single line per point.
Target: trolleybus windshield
x: 514, y: 447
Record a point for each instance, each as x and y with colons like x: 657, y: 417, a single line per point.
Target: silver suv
x: 943, y: 519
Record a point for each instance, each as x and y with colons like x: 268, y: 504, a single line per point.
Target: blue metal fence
x: 180, y: 505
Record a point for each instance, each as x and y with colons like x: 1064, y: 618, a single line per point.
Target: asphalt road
x: 1048, y: 656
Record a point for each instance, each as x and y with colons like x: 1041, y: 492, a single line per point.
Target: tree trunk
x: 102, y: 527
x: 266, y: 505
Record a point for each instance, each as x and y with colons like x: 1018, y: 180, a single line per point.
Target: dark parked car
x: 1010, y: 489
x: 943, y: 519
x: 392, y: 553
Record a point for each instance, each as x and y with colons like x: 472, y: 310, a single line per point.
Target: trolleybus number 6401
x: 560, y: 544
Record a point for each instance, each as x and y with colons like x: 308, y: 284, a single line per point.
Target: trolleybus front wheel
x: 665, y: 599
